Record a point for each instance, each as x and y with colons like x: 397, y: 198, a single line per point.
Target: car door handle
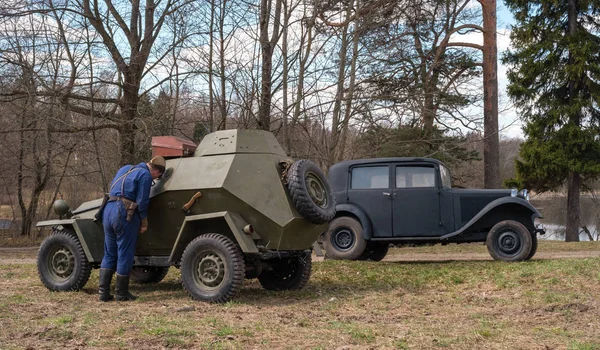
x: 386, y: 194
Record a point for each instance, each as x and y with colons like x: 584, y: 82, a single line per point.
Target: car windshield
x: 446, y: 178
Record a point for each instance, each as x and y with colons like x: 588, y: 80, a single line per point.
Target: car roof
x: 349, y: 163
x: 338, y: 173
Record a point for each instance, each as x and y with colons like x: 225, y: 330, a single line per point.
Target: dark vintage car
x: 411, y: 201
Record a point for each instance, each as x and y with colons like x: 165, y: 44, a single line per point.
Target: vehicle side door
x: 416, y: 204
x: 369, y: 189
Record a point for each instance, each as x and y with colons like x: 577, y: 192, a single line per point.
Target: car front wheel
x: 344, y: 239
x: 509, y: 241
x: 212, y: 268
x: 61, y: 262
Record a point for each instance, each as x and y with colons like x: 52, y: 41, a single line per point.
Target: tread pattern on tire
x: 237, y: 260
x: 270, y: 281
x: 300, y: 197
x: 66, y: 236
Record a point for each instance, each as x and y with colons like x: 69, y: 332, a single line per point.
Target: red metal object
x: 172, y: 147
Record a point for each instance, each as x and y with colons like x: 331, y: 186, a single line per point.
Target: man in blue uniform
x: 125, y: 216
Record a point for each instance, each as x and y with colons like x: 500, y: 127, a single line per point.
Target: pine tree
x: 554, y: 82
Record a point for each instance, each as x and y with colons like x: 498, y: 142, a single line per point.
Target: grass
x: 548, y: 303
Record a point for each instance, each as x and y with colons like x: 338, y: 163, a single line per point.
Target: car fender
x: 522, y: 208
x: 90, y: 235
x: 363, y: 217
x: 227, y: 223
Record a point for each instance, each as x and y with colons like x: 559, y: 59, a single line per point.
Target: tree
x: 554, y: 78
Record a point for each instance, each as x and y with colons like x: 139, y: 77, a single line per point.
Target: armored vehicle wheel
x: 344, y: 239
x: 148, y: 274
x: 375, y: 251
x: 310, y: 192
x: 287, y: 274
x: 509, y: 241
x: 61, y: 262
x: 534, y: 245
x: 212, y: 268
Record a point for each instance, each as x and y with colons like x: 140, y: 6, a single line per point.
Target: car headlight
x: 513, y: 192
x: 523, y: 194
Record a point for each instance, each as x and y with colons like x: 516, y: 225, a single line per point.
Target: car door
x: 416, y: 201
x: 369, y: 188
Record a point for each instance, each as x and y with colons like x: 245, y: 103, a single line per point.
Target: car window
x: 370, y: 177
x: 415, y: 176
x: 446, y: 178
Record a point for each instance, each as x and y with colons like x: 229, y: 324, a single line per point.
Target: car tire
x: 375, y: 251
x: 344, y: 239
x: 287, y: 273
x: 310, y: 192
x: 509, y: 241
x: 212, y: 268
x: 148, y: 274
x: 61, y: 262
x: 534, y: 246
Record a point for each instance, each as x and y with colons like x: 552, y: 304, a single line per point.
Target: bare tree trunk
x: 284, y: 54
x: 339, y: 96
x: 267, y: 49
x: 574, y: 179
x: 211, y: 102
x: 223, y: 101
x: 349, y: 96
x: 491, y: 146
x: 573, y: 207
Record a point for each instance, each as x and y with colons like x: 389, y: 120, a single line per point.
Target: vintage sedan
x: 401, y: 201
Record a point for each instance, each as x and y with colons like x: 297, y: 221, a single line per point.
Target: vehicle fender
x: 505, y: 208
x: 89, y: 233
x: 363, y: 217
x: 227, y: 223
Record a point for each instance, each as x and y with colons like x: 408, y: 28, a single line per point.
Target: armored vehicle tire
x: 509, y: 241
x: 287, y: 273
x: 344, y: 239
x: 148, y: 274
x: 61, y: 262
x: 375, y: 251
x: 310, y: 192
x: 212, y: 268
x: 534, y: 245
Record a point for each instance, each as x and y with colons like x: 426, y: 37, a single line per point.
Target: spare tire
x: 310, y: 192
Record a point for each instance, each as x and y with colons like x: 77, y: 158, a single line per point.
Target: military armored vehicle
x: 385, y: 201
x: 237, y: 208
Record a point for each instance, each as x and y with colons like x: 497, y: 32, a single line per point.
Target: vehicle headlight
x: 523, y: 194
x: 513, y: 192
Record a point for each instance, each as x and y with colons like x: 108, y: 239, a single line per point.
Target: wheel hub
x: 211, y: 270
x: 316, y: 190
x: 508, y: 242
x: 343, y: 239
x: 62, y: 263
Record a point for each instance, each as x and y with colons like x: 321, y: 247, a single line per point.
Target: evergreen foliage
x: 554, y: 81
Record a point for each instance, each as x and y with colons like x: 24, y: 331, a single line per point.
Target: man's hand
x: 144, y: 226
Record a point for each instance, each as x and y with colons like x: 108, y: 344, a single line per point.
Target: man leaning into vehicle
x: 124, y: 217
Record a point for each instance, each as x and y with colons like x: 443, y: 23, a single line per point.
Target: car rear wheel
x: 148, y: 274
x: 287, y: 273
x: 310, y: 192
x: 212, y: 268
x: 509, y: 241
x: 344, y: 239
x: 61, y: 262
x: 375, y: 251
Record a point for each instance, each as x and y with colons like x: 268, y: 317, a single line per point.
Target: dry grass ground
x: 542, y: 304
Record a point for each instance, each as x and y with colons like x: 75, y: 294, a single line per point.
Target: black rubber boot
x: 104, y: 284
x: 122, y: 288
